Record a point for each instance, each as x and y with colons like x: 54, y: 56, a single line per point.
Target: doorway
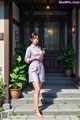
x: 53, y: 34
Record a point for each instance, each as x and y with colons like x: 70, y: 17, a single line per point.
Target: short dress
x: 36, y: 69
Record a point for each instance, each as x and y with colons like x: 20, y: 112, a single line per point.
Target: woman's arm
x: 27, y: 55
x: 35, y: 58
x: 28, y: 58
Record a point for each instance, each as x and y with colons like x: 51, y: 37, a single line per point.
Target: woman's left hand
x: 43, y: 51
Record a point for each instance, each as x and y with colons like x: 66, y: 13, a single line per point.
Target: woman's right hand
x: 38, y: 58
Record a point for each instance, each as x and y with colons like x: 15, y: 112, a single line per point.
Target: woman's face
x: 35, y: 40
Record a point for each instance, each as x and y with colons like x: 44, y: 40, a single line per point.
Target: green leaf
x: 60, y: 57
x: 10, y: 85
x: 70, y: 52
x: 1, y: 93
x: 13, y: 76
x: 16, y: 69
x: 22, y: 78
x: 22, y: 71
x: 12, y: 80
x: 19, y: 58
x: 19, y: 85
x: 78, y: 115
x: 21, y: 75
x: 23, y: 66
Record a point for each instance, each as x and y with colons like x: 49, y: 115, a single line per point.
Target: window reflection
x: 36, y: 27
x: 26, y: 33
x: 51, y: 35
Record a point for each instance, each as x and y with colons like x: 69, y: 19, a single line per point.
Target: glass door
x: 53, y: 36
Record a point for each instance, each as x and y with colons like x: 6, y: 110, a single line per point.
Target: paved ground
x: 46, y: 117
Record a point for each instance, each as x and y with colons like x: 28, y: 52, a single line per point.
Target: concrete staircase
x: 59, y: 96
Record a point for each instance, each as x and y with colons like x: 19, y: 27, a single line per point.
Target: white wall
x: 79, y: 42
x: 2, y: 41
x: 74, y: 34
x: 15, y: 27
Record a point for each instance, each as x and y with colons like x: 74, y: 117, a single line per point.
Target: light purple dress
x: 36, y: 70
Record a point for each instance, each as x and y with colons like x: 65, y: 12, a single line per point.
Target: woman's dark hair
x: 33, y: 35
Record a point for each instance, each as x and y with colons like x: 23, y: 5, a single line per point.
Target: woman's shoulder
x: 28, y: 48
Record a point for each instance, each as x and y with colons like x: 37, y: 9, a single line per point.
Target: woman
x: 34, y: 56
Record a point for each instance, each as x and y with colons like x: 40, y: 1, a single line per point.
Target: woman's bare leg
x: 36, y: 86
x: 40, y: 84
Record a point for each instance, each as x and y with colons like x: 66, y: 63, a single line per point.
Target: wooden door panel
x: 51, y: 64
x: 53, y: 42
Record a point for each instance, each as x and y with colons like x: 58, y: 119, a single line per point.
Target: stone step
x: 46, y: 117
x: 58, y: 78
x: 49, y: 109
x: 77, y: 85
x: 54, y: 91
x: 22, y: 101
x: 59, y: 82
x: 55, y: 74
x: 29, y: 87
x: 55, y: 95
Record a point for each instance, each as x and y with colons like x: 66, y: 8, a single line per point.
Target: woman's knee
x: 37, y: 90
x: 36, y: 86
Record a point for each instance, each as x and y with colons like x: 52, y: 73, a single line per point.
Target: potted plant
x: 2, y: 85
x: 17, y: 77
x: 20, y: 50
x: 68, y: 57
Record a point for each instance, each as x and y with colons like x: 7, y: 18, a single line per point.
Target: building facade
x: 54, y: 25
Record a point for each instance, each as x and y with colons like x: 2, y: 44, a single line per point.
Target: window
x: 26, y: 33
x: 36, y: 27
x: 51, y: 35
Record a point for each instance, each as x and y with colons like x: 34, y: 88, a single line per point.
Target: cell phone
x: 43, y: 48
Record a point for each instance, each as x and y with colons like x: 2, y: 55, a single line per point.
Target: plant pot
x: 0, y: 102
x: 15, y: 93
x: 68, y: 72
